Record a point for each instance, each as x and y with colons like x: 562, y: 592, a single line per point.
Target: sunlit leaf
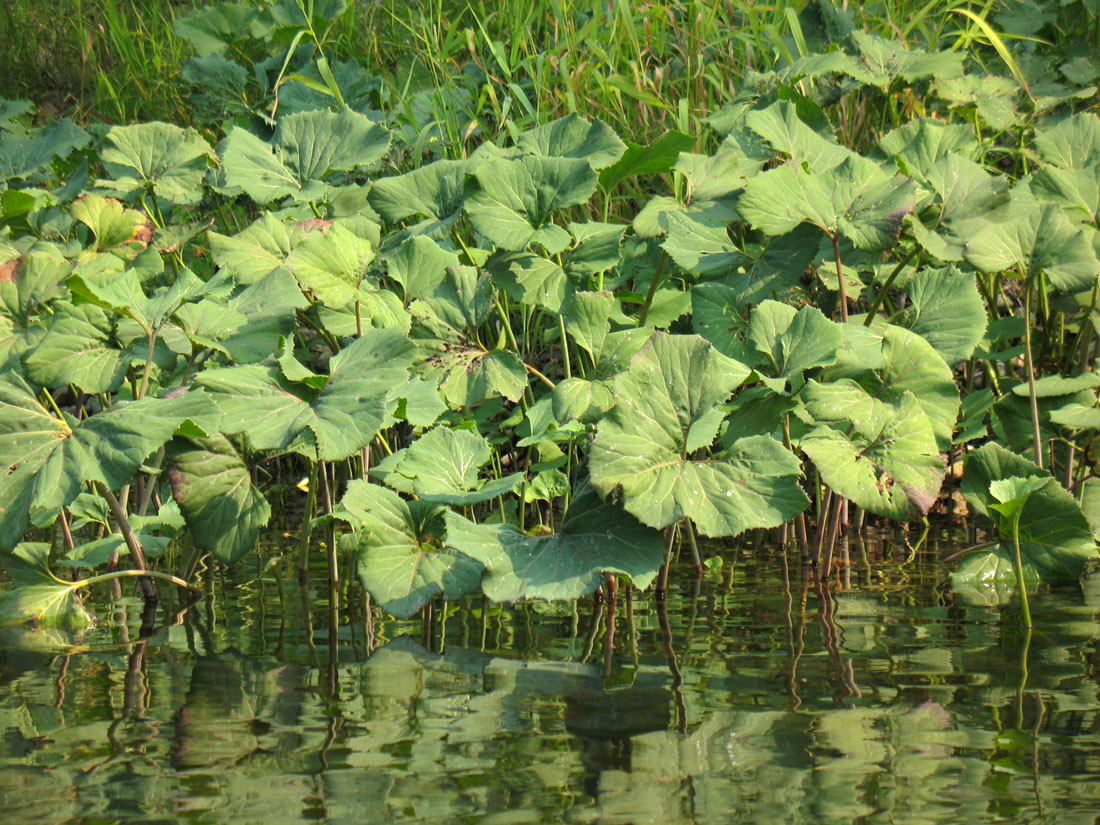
x: 596, y: 537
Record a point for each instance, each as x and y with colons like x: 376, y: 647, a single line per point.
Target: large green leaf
x: 22, y: 156
x: 946, y: 310
x: 338, y: 421
x: 573, y: 136
x: 968, y: 196
x: 880, y: 455
x: 791, y: 341
x: 419, y: 265
x: 919, y: 144
x: 305, y: 149
x: 1055, y: 537
x: 435, y: 190
x: 700, y: 248
x: 157, y: 157
x: 780, y: 125
x: 596, y: 537
x: 994, y: 97
x: 516, y: 199
x: 213, y: 487
x: 398, y: 563
x: 255, y: 251
x: 78, y: 348
x: 656, y: 158
x: 1070, y: 143
x: 665, y: 404
x: 1037, y: 238
x: 442, y: 465
x: 46, y: 460
x: 330, y: 263
x: 39, y: 596
x: 888, y: 361
x: 268, y: 307
x: 124, y: 231
x: 855, y: 199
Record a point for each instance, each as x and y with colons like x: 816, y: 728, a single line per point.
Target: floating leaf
x: 596, y: 537
x: 39, y: 596
x: 398, y: 563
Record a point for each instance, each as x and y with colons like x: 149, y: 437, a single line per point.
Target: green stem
x: 835, y: 238
x: 881, y: 296
x: 1030, y: 367
x: 1018, y: 564
x: 653, y: 288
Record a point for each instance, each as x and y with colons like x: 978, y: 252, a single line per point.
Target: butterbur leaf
x: 435, y: 190
x: 780, y: 125
x: 946, y: 310
x: 596, y: 537
x: 889, y: 361
x: 1040, y: 238
x: 881, y: 456
x: 24, y: 155
x: 516, y: 199
x: 442, y: 465
x: 993, y: 97
x: 213, y: 29
x: 700, y: 249
x: 641, y: 447
x: 330, y: 264
x: 46, y: 460
x: 306, y: 148
x: 419, y: 265
x: 399, y: 562
x: 855, y: 199
x: 222, y: 507
x: 573, y: 136
x: 39, y: 596
x: 114, y: 226
x: 160, y: 157
x: 256, y: 251
x: 792, y: 341
x: 331, y: 424
x: 653, y: 159
x: 1070, y: 143
x: 1056, y: 538
x: 919, y: 144
x: 78, y: 349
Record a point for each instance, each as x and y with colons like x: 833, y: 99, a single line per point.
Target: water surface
x: 753, y: 695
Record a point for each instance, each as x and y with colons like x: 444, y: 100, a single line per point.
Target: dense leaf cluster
x: 512, y: 369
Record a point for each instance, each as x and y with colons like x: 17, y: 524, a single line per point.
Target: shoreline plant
x: 523, y: 355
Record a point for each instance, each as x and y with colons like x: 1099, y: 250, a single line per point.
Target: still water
x: 752, y: 695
